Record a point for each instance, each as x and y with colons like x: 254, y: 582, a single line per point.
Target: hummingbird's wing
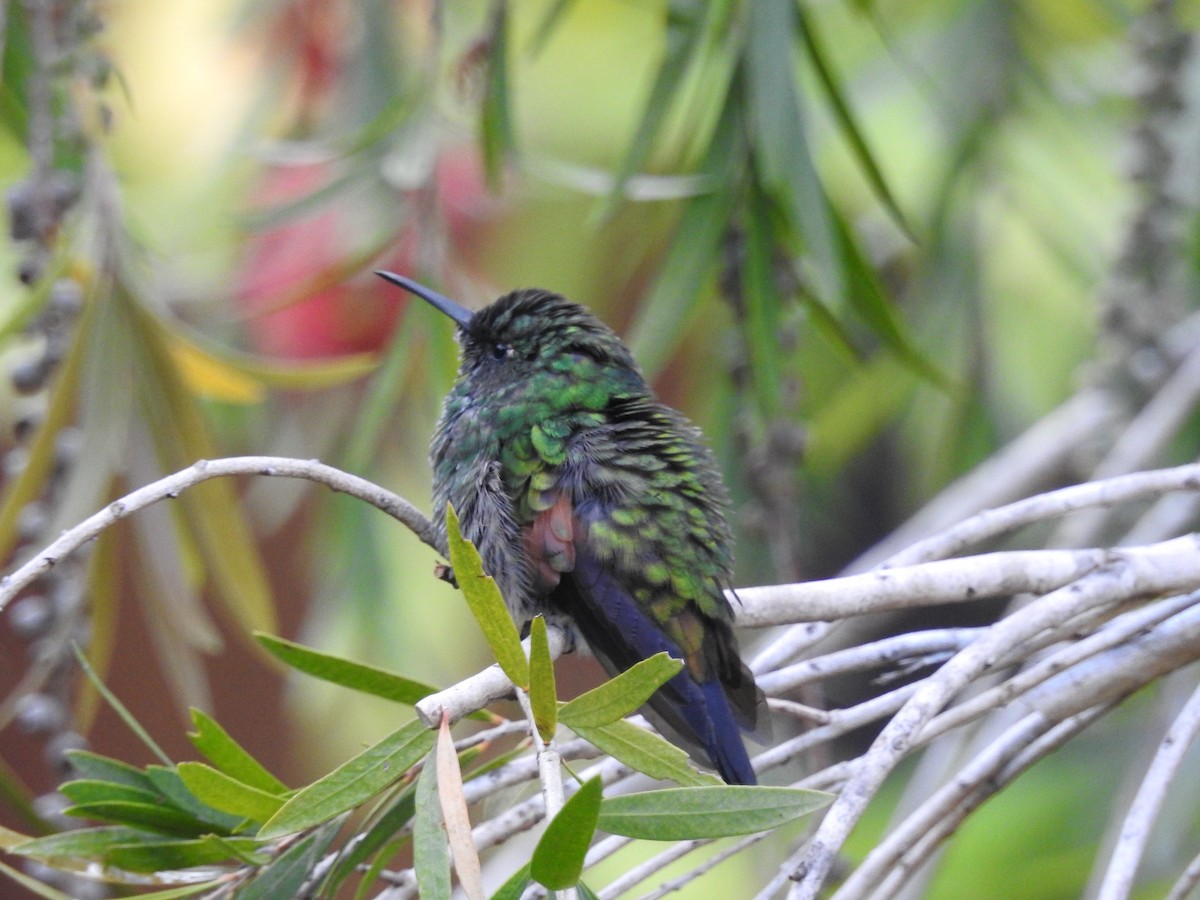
x: 625, y: 542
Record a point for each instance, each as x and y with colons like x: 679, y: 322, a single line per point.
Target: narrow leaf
x: 620, y: 696
x: 870, y: 301
x: 845, y: 118
x: 167, y: 782
x: 684, y: 33
x: 58, y: 413
x: 87, y: 764
x: 211, y: 510
x: 514, y: 888
x: 763, y: 307
x: 285, y: 876
x: 349, y: 673
x: 644, y: 751
x: 118, y: 707
x: 163, y: 819
x: 395, y: 817
x: 230, y: 757
x: 223, y: 374
x: 543, y: 698
x: 454, y: 814
x: 558, y: 858
x: 694, y: 251
x: 350, y: 784
x: 161, y: 856
x: 87, y: 790
x: 104, y: 593
x: 546, y: 27
x: 483, y: 596
x: 682, y: 814
x: 496, y: 130
x: 431, y: 852
x: 775, y: 127
x: 227, y: 794
x: 82, y: 844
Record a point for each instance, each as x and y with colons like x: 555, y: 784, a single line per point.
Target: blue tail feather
x: 621, y: 634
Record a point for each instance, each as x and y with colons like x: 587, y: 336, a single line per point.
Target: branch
x: 944, y: 581
x: 480, y: 689
x: 1169, y: 567
x: 947, y: 581
x: 1135, y: 833
x: 993, y: 523
x: 173, y: 485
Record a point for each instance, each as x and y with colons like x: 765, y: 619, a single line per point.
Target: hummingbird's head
x: 528, y: 332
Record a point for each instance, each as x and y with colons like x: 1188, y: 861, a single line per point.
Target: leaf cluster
x: 227, y: 819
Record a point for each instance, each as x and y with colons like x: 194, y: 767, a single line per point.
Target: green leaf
x: 87, y: 790
x: 645, y: 751
x: 845, y: 118
x: 167, y: 782
x: 620, y: 696
x: 83, y: 844
x: 870, y: 301
x: 548, y: 24
x: 694, y: 251
x: 161, y: 856
x: 349, y: 673
x: 683, y: 814
x: 89, y: 765
x: 59, y: 412
x: 230, y: 757
x: 543, y: 698
x: 514, y: 888
x: 483, y: 596
x: 763, y: 306
x: 685, y: 29
x: 558, y: 858
x: 212, y: 510
x: 775, y: 126
x: 227, y: 794
x: 431, y: 852
x: 284, y: 877
x: 150, y: 816
x: 350, y: 784
x: 496, y: 128
x: 118, y: 707
x: 396, y: 815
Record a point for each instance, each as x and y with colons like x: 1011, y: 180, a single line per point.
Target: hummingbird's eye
x: 501, y: 350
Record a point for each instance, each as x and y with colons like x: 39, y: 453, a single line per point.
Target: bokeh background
x: 862, y: 244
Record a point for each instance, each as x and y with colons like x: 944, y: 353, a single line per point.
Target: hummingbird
x: 595, y: 505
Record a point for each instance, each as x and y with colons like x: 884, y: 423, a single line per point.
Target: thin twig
x: 1106, y: 586
x: 172, y: 485
x: 1135, y: 832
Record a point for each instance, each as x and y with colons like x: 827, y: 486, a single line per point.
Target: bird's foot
x: 444, y: 572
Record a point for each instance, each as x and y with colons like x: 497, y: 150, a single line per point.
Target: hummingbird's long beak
x: 459, y: 314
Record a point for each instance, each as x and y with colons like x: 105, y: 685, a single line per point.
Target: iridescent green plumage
x: 595, y: 505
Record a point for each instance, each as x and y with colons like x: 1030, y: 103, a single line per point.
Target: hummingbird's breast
x: 471, y: 454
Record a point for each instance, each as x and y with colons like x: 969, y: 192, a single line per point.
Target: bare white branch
x: 993, y: 523
x: 944, y: 581
x: 173, y: 485
x: 1171, y: 566
x: 1135, y: 833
